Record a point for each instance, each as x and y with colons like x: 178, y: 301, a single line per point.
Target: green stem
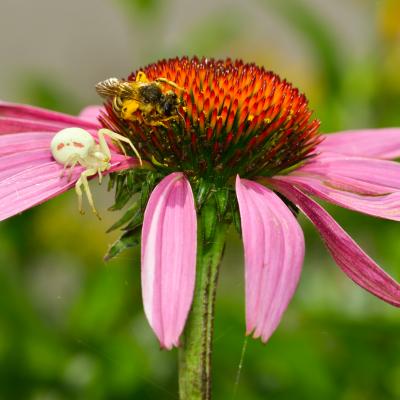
x: 196, y: 344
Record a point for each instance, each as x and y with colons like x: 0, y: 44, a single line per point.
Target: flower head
x: 242, y: 142
x: 235, y: 118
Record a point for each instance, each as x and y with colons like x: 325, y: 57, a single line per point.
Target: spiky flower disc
x: 236, y: 118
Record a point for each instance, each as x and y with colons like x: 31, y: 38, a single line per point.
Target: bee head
x: 169, y: 104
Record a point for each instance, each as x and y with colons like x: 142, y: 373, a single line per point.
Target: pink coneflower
x: 246, y: 135
x: 243, y: 149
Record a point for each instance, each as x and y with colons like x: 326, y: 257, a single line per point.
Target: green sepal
x: 127, y: 183
x: 133, y: 212
x: 202, y: 191
x: 128, y: 239
x: 209, y: 219
x: 221, y: 200
x: 136, y: 221
x: 111, y: 181
x: 236, y: 216
x: 147, y: 188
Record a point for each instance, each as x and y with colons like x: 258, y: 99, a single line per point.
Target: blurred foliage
x: 48, y: 92
x: 73, y: 327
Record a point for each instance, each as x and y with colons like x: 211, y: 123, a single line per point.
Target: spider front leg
x: 82, y: 181
x: 118, y: 138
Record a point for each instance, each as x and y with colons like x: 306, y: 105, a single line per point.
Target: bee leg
x: 117, y: 104
x: 128, y: 108
x: 82, y: 181
x: 141, y: 77
x: 170, y: 83
x: 155, y: 123
x: 180, y: 115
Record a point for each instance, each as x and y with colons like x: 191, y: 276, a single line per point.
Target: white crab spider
x: 71, y: 146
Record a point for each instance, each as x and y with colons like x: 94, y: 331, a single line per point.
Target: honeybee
x: 142, y: 95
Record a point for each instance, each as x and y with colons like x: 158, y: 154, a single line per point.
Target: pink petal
x: 91, y: 113
x: 34, y: 178
x: 12, y: 164
x: 379, y: 143
x: 17, y: 143
x: 169, y: 244
x: 25, y: 112
x: 357, y: 265
x: 373, y: 171
x: 274, y: 252
x: 12, y: 125
x: 381, y: 204
x: 32, y: 186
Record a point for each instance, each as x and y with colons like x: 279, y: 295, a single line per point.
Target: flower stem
x: 196, y: 344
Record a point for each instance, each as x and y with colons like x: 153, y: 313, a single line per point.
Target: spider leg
x: 118, y: 138
x: 70, y: 164
x: 100, y: 175
x: 82, y: 181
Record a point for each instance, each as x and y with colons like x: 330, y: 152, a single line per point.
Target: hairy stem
x: 196, y: 345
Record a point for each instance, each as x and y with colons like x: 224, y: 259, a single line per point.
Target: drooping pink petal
x: 274, y: 252
x: 383, y: 203
x: 35, y: 177
x: 373, y: 171
x: 26, y: 112
x: 18, y: 143
x: 14, y: 163
x: 91, y: 113
x: 353, y: 261
x: 379, y: 143
x: 169, y: 244
x: 10, y: 125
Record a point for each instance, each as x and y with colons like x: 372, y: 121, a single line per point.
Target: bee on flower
x: 142, y: 98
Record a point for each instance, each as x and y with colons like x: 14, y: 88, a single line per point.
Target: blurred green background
x: 73, y: 327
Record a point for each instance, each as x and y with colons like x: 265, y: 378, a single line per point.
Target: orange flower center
x: 231, y: 118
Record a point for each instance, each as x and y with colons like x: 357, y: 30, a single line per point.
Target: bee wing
x: 108, y: 88
x: 113, y: 87
x: 129, y: 90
